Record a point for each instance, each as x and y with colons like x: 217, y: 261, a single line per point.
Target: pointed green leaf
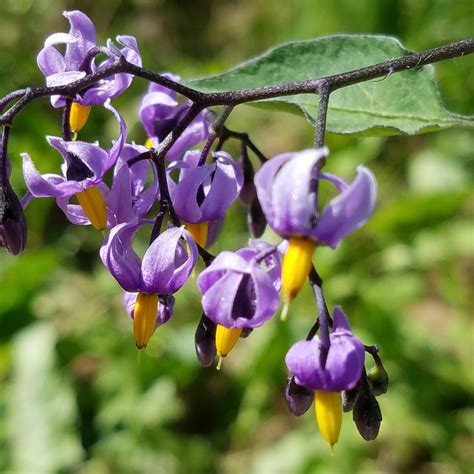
x: 405, y: 102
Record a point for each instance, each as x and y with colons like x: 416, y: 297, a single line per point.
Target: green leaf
x: 405, y: 102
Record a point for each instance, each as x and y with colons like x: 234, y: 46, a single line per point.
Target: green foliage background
x: 75, y: 397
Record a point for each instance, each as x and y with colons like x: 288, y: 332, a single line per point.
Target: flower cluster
x: 193, y: 189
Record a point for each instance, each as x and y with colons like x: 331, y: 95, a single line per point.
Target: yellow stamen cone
x: 226, y: 338
x: 144, y: 318
x: 198, y: 232
x: 78, y: 116
x: 295, y: 268
x: 94, y: 207
x: 328, y: 410
x: 149, y: 143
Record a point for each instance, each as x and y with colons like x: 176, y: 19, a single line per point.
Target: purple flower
x: 332, y: 369
x: 129, y: 198
x: 165, y: 267
x: 163, y: 313
x: 79, y: 60
x: 204, y: 193
x: 160, y: 112
x: 240, y: 289
x: 287, y: 191
x: 84, y: 165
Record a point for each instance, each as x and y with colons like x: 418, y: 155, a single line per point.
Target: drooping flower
x: 129, y: 198
x: 165, y: 267
x: 238, y: 291
x: 160, y: 111
x: 333, y: 369
x: 204, y: 193
x: 84, y: 167
x: 79, y: 59
x: 287, y: 188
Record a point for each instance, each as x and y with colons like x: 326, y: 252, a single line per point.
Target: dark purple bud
x: 13, y: 228
x: 378, y: 377
x: 366, y: 414
x: 298, y: 398
x: 256, y: 219
x: 248, y: 192
x: 204, y: 341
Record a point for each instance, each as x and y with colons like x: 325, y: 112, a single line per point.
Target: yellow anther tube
x: 94, y: 207
x: 78, y: 116
x: 144, y: 318
x: 226, y: 338
x: 198, y: 232
x: 328, y: 410
x: 149, y: 143
x: 296, y: 265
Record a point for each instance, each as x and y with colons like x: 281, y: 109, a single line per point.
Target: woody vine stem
x: 322, y: 86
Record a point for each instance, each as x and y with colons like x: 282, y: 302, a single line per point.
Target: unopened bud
x: 13, y: 229
x: 256, y: 219
x: 367, y: 416
x: 248, y: 191
x: 204, y: 341
x: 298, y: 398
x: 378, y: 377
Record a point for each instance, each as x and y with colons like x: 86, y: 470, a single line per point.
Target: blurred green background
x: 76, y: 398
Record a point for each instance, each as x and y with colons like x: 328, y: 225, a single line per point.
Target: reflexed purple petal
x: 119, y: 257
x: 161, y: 273
x: 129, y: 300
x: 264, y: 180
x: 47, y: 185
x: 340, y: 322
x: 224, y: 190
x: 73, y: 212
x: 50, y: 61
x: 294, y: 194
x: 225, y: 261
x: 303, y: 361
x: 119, y: 143
x: 213, y: 229
x: 218, y: 301
x: 119, y: 203
x: 64, y: 78
x: 345, y: 361
x: 185, y: 194
x: 349, y: 210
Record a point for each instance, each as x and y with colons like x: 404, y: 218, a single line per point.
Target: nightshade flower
x: 79, y: 60
x: 287, y: 188
x: 84, y: 167
x: 237, y: 291
x: 164, y: 269
x: 335, y: 368
x: 204, y: 193
x: 160, y: 112
x: 129, y: 198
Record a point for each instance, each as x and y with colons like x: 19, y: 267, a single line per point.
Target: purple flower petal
x: 166, y: 264
x: 349, y: 210
x: 119, y: 257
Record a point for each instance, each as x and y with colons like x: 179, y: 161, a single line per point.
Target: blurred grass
x: 76, y: 398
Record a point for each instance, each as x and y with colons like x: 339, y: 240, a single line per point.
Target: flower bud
x: 298, y: 398
x: 13, y: 228
x: 204, y: 341
x: 378, y: 377
x: 367, y: 415
x: 256, y: 221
